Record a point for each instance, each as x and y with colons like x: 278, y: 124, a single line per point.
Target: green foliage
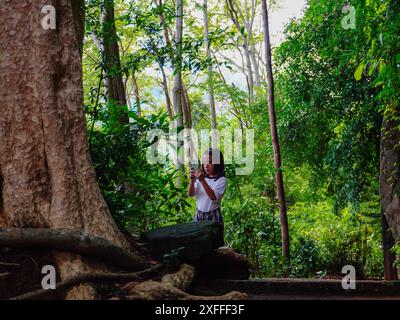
x: 305, y: 261
x: 333, y: 86
x: 140, y: 195
x: 248, y: 226
x: 334, y: 240
x: 327, y: 119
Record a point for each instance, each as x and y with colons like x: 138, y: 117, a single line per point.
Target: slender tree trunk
x: 46, y: 174
x: 137, y: 95
x: 166, y: 93
x: 275, y: 140
x: 175, y: 53
x: 389, y: 187
x: 249, y: 21
x: 233, y: 13
x: 257, y: 80
x: 235, y: 110
x: 249, y: 69
x: 177, y: 89
x: 165, y: 27
x: 187, y: 118
x: 115, y: 89
x: 171, y: 56
x: 210, y: 76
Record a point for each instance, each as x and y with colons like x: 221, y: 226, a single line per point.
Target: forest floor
x: 23, y: 269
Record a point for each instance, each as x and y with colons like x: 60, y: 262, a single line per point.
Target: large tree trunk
x: 115, y: 89
x: 275, y: 140
x: 46, y: 174
x: 210, y: 76
x: 389, y: 270
x: 389, y: 190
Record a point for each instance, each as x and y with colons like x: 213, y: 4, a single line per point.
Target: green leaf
x: 359, y: 71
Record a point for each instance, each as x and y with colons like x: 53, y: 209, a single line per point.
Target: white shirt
x: 204, y: 203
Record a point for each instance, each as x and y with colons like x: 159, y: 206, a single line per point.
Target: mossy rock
x: 195, y: 238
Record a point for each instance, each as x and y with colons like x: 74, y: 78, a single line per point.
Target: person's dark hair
x: 219, y: 167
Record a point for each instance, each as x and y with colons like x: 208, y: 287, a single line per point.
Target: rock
x: 224, y: 263
x: 196, y: 238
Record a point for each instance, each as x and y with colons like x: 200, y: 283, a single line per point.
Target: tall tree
x: 389, y: 185
x: 180, y: 100
x: 211, y: 98
x: 115, y: 88
x: 164, y: 83
x: 384, y: 29
x: 235, y: 13
x: 137, y: 94
x: 167, y: 39
x: 177, y: 91
x: 47, y: 179
x: 274, y: 135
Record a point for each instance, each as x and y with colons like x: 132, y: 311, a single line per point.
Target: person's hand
x: 199, y: 175
x: 192, y: 175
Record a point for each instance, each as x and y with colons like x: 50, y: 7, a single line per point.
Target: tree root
x: 9, y: 264
x: 172, y: 287
x: 96, y: 277
x: 71, y: 241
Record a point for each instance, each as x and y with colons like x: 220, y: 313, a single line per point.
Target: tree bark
x: 137, y: 95
x: 47, y: 178
x: 167, y: 39
x: 187, y: 118
x: 389, y: 175
x: 115, y: 89
x: 275, y: 139
x: 249, y: 21
x: 72, y: 241
x: 180, y: 100
x: 95, y: 277
x: 389, y: 189
x: 177, y: 90
x: 173, y: 286
x: 210, y: 75
x: 389, y: 270
x: 165, y: 28
x: 257, y: 80
x: 166, y: 93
